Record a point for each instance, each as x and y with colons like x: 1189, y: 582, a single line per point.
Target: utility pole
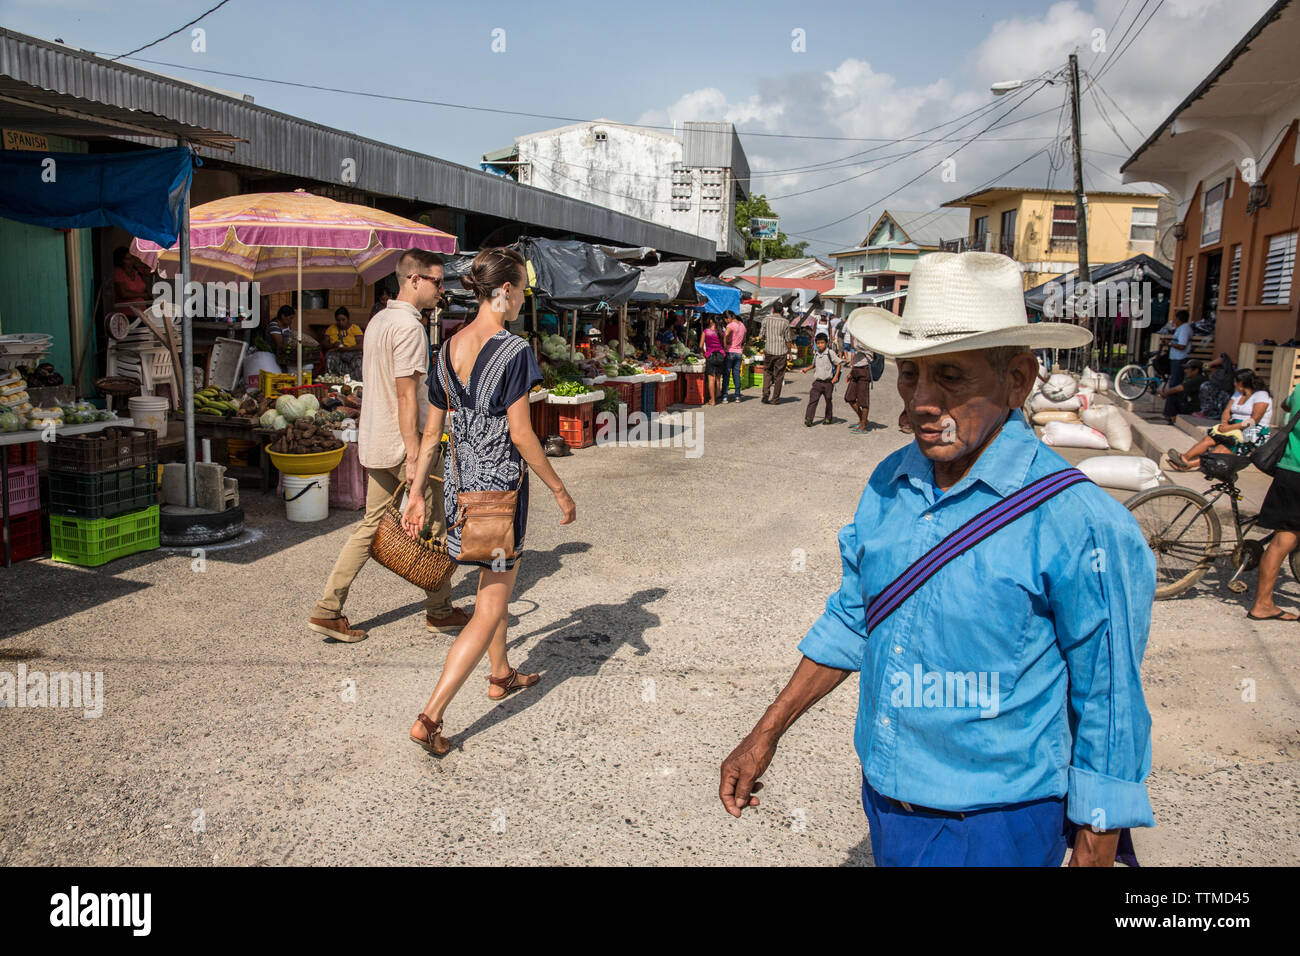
x: 760, y: 263
x: 1080, y: 200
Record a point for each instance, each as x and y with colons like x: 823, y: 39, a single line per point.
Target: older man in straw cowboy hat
x: 994, y: 602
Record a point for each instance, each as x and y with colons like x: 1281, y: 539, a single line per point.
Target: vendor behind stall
x: 130, y: 278
x: 282, y: 332
x: 343, y: 340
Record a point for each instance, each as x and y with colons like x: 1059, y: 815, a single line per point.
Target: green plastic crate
x: 91, y: 542
x: 757, y: 375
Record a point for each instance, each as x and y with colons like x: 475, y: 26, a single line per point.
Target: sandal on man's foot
x: 1279, y: 616
x: 511, y: 682
x: 435, y: 743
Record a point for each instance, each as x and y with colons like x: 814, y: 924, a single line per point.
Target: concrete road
x: 663, y: 622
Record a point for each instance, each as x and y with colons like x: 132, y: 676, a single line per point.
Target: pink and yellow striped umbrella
x: 280, y: 239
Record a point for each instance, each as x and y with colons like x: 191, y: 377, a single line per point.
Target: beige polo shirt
x: 395, y: 346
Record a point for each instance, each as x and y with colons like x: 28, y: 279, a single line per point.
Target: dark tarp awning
x: 142, y: 191
x: 1139, y: 268
x: 578, y: 275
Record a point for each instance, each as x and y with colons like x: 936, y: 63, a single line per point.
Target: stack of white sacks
x: 1077, y: 412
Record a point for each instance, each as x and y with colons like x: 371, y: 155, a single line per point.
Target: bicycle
x: 1184, y: 531
x: 1134, y: 381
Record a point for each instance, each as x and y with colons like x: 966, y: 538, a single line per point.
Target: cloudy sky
x: 820, y: 91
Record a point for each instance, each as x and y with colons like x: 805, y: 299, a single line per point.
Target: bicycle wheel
x: 1131, y: 382
x: 1183, y: 532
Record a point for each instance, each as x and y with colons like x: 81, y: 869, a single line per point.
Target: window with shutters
x: 1142, y: 225
x: 1064, y: 228
x: 1234, y: 277
x: 1278, y: 266
x: 1187, y: 290
x: 683, y: 188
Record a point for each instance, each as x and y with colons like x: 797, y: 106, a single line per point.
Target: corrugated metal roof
x: 35, y: 110
x: 292, y: 146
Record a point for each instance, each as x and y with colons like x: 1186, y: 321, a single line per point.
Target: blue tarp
x: 142, y: 191
x: 719, y: 298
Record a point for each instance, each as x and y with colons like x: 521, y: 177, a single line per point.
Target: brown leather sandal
x: 512, y: 682
x: 435, y: 743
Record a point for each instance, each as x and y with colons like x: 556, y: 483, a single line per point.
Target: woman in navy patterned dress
x: 484, y: 382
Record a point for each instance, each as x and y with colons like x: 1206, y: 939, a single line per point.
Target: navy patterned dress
x: 486, y: 458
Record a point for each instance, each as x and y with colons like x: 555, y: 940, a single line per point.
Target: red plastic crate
x: 537, y: 413
x: 695, y: 389
x: 24, y: 489
x: 629, y: 393
x: 578, y: 424
x: 25, y: 538
x: 552, y: 420
x: 24, y: 454
x: 664, y: 395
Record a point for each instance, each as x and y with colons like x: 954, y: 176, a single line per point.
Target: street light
x: 1006, y: 86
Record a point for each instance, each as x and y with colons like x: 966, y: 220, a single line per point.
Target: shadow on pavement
x: 575, y: 646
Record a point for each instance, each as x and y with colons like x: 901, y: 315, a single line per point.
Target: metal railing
x: 982, y: 242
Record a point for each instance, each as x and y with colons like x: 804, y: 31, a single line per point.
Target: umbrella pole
x: 187, y: 355
x: 300, y: 315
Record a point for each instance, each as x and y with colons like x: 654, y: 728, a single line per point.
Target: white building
x: 689, y: 182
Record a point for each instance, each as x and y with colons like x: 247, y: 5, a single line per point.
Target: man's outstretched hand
x: 743, y: 767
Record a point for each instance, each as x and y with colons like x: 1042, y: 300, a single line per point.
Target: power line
x: 1111, y: 30
x: 923, y: 172
x: 1105, y: 118
x: 1111, y: 61
x: 1102, y: 90
x: 121, y: 56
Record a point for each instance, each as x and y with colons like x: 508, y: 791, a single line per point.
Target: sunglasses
x: 436, y: 281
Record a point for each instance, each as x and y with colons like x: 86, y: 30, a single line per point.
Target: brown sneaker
x: 337, y: 628
x: 451, y: 624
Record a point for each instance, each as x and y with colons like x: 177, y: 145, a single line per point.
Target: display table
x: 27, y: 436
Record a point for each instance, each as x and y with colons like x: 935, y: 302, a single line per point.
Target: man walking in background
x: 395, y: 363
x: 776, y: 353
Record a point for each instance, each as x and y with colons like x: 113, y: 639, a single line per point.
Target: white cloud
x: 1180, y: 45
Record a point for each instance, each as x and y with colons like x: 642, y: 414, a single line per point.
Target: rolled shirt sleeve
x: 839, y: 637
x: 410, y: 352
x: 1102, y: 607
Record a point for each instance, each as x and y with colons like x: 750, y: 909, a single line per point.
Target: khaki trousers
x: 380, y: 485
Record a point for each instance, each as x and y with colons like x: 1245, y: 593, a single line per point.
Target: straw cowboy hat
x: 957, y: 302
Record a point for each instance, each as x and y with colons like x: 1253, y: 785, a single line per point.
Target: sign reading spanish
x: 763, y: 228
x: 19, y: 139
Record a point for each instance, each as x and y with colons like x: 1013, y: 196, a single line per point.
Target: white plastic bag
x: 1060, y: 386
x: 1072, y: 435
x: 1126, y: 472
x: 1110, y: 421
x: 1041, y: 403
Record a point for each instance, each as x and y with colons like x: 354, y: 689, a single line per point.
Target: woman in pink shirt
x: 715, y: 357
x: 735, y: 337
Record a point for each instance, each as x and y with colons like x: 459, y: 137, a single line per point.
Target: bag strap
x: 986, y: 523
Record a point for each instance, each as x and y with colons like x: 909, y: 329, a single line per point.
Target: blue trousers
x: 1020, y: 834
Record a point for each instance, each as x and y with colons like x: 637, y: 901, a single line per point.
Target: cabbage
x: 310, y: 405
x: 268, y: 419
x: 280, y: 422
x: 292, y: 407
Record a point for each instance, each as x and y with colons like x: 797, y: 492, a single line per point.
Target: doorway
x: 1209, y: 295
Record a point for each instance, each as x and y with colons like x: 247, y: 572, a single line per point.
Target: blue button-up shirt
x: 1013, y: 674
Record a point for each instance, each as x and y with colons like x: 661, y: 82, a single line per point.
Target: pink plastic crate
x: 24, y: 489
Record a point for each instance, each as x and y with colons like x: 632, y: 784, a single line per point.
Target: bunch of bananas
x: 214, y: 401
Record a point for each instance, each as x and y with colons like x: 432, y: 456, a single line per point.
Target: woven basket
x: 425, y: 563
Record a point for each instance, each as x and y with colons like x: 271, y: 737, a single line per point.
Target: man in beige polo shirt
x: 395, y: 363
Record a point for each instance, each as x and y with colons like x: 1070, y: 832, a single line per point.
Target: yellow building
x: 1037, y: 227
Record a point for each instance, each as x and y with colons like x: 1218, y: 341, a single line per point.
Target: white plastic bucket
x: 149, y: 411
x: 307, y: 497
